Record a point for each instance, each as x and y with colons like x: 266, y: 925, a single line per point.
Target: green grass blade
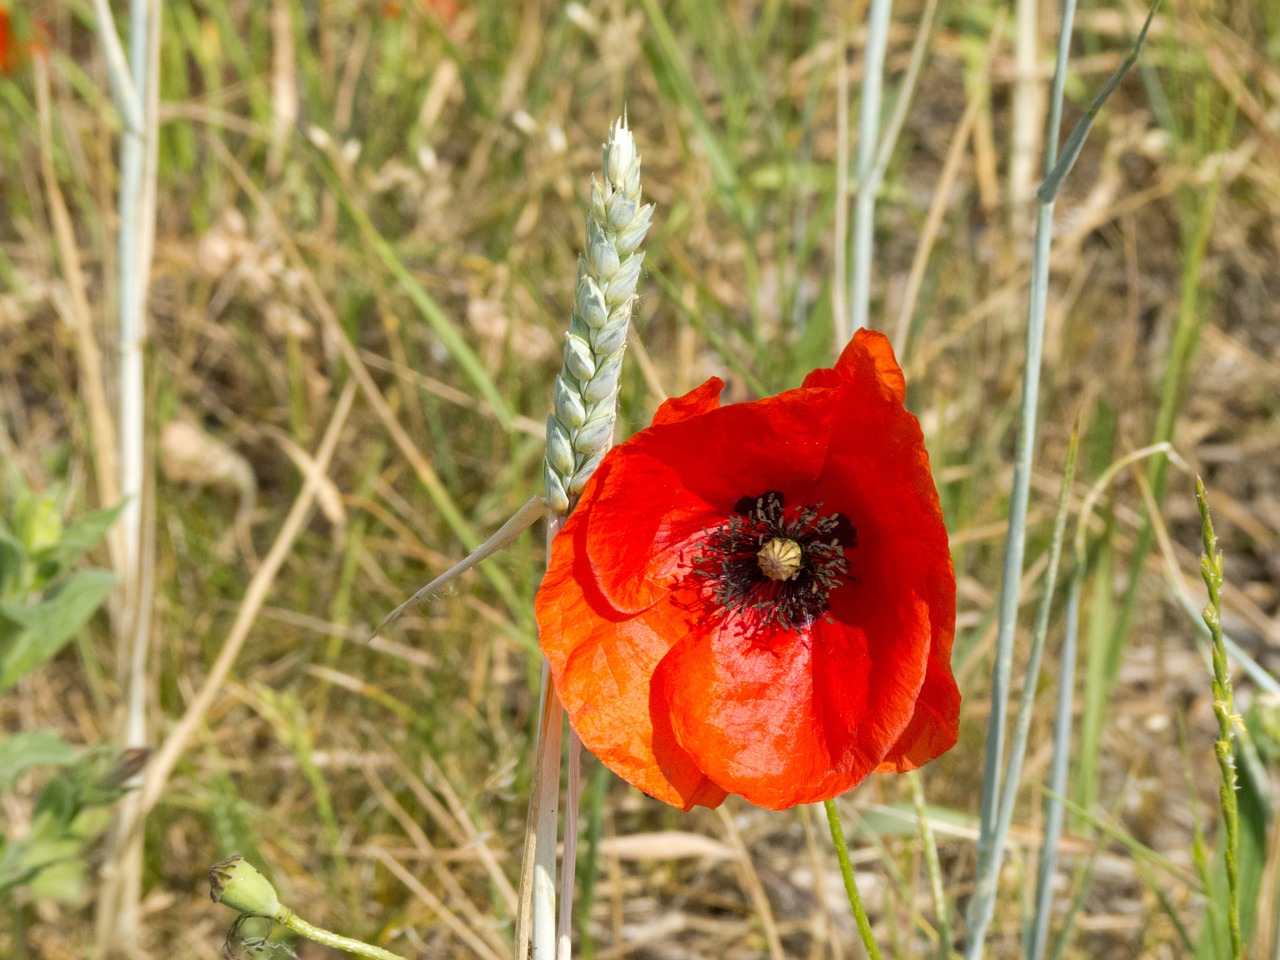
x: 1048, y: 191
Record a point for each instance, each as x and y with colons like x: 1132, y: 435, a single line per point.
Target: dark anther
x: 776, y: 588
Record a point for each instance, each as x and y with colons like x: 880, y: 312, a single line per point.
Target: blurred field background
x: 367, y: 219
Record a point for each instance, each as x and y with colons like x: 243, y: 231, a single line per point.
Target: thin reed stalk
x: 990, y: 840
x: 990, y: 850
x: 941, y: 908
x: 1028, y: 106
x: 538, y: 931
x: 569, y: 856
x: 1038, y: 938
x: 868, y: 141
x: 135, y: 87
x: 1022, y: 725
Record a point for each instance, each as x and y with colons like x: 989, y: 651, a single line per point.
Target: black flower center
x: 777, y: 564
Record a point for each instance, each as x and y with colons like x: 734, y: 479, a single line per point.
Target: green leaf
x: 900, y: 820
x: 49, y: 624
x: 31, y: 748
x: 13, y: 557
x: 64, y: 880
x: 77, y: 539
x: 39, y: 850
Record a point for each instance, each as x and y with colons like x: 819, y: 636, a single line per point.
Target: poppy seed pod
x: 237, y: 884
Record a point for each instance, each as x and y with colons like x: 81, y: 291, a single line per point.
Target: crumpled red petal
x: 701, y: 399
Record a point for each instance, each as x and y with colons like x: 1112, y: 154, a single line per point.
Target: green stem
x: 327, y: 938
x: 850, y: 885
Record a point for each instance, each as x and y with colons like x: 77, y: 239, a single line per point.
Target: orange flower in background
x: 20, y: 38
x: 7, y: 52
x: 759, y: 598
x: 447, y: 10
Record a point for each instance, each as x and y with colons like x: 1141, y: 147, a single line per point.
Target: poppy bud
x: 237, y: 884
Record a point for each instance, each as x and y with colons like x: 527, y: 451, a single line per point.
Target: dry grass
x: 385, y: 783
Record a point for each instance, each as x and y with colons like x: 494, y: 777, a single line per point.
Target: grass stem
x: 1224, y: 710
x: 990, y: 847
x: 569, y: 855
x: 941, y: 908
x: 327, y: 938
x: 868, y: 141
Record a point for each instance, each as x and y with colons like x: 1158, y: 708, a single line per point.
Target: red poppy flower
x: 758, y: 598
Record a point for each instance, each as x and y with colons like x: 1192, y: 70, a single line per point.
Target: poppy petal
x: 698, y: 400
x: 867, y: 358
x: 901, y: 534
x: 788, y: 720
x: 935, y: 726
x: 670, y: 483
x: 601, y: 665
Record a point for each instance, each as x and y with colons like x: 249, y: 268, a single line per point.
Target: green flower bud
x: 237, y: 884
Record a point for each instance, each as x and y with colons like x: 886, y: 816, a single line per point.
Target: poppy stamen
x: 778, y: 565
